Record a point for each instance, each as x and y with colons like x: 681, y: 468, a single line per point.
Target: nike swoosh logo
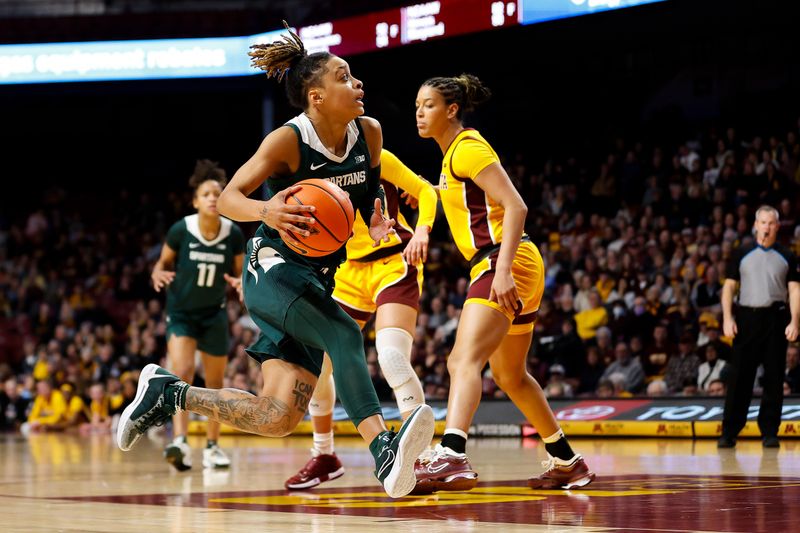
x: 315, y: 167
x: 436, y: 469
x: 387, y: 463
x: 194, y: 244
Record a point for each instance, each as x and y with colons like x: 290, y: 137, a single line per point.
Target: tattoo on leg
x: 302, y: 395
x: 267, y: 416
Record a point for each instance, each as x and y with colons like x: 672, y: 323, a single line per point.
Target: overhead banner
x: 128, y: 60
x: 534, y: 11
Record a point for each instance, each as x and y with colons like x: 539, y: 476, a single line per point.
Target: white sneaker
x: 179, y: 455
x: 214, y: 457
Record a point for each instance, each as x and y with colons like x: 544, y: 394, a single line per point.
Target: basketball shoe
x: 214, y: 457
x: 179, y: 454
x: 561, y: 474
x: 320, y: 468
x: 158, y: 398
x: 443, y: 469
x: 396, y: 453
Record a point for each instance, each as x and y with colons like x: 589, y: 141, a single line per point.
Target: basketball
x: 334, y: 217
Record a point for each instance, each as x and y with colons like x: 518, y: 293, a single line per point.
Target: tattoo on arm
x: 267, y: 416
x: 302, y: 395
x: 263, y: 212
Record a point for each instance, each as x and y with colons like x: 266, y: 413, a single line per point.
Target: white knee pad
x: 324, y: 397
x: 394, y: 357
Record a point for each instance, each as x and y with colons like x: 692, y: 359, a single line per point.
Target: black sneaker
x: 771, y: 442
x: 396, y: 453
x: 156, y: 401
x: 726, y: 442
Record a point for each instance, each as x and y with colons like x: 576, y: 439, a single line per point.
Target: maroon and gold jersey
x: 475, y: 219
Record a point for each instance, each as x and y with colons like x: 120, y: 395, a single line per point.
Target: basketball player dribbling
x: 385, y: 281
x: 486, y: 215
x: 288, y: 295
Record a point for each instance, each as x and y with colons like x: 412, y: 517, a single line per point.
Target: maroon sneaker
x: 560, y: 474
x: 320, y: 468
x: 443, y: 469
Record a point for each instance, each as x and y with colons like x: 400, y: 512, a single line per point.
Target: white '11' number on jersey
x: 205, y: 278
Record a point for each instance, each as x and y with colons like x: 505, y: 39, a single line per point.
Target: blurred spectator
x: 711, y: 369
x: 49, y: 408
x: 605, y: 389
x: 605, y: 347
x: 591, y: 372
x: 640, y: 321
x: 706, y: 294
x: 569, y: 351
x: 447, y: 331
x: 438, y: 315
x: 76, y: 408
x: 716, y: 388
x: 624, y: 365
x: 13, y: 407
x: 682, y: 367
x: 99, y: 410
x: 618, y: 380
x: 689, y: 388
x: 656, y: 388
x: 581, y: 299
x: 591, y: 318
x: 557, y: 382
x: 656, y: 356
x: 555, y: 390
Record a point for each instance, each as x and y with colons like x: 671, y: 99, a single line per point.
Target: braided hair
x: 288, y: 58
x: 205, y: 170
x: 465, y: 90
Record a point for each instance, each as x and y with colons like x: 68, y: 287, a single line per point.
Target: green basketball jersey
x: 351, y: 172
x: 200, y: 264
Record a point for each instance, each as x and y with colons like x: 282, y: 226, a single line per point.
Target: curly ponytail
x: 288, y: 58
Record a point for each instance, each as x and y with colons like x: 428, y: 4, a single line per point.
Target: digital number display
x: 406, y: 25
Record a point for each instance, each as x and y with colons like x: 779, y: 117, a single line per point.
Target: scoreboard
x: 406, y: 25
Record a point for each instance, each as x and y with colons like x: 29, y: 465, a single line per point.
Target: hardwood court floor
x: 68, y: 483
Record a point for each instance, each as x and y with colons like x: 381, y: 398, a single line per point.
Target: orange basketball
x: 334, y: 217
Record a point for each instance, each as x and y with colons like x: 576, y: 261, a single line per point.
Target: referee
x: 768, y: 279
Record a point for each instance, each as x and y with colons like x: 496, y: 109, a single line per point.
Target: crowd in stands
x: 635, y: 245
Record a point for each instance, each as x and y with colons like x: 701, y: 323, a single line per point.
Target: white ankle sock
x: 323, y: 442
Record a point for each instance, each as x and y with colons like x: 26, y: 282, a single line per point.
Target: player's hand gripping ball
x: 334, y: 216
